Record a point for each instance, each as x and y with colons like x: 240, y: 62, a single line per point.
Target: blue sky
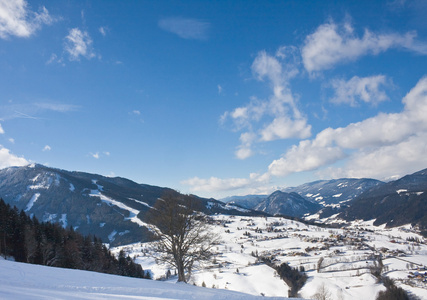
x: 215, y: 98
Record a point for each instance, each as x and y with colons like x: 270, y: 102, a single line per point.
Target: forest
x: 28, y: 240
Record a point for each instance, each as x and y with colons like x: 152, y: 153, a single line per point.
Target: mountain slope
x: 336, y: 191
x: 289, y: 204
x: 248, y: 201
x: 111, y: 208
x: 394, y: 203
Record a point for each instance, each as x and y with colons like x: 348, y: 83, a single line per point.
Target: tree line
x: 30, y: 241
x: 293, y: 277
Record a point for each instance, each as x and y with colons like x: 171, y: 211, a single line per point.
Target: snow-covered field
x: 24, y: 281
x: 348, y: 254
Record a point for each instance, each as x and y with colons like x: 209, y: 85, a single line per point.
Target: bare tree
x: 182, y: 236
x: 322, y: 293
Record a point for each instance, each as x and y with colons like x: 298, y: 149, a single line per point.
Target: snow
x: 19, y: 281
x: 345, y: 272
x: 43, y: 181
x: 401, y: 191
x: 337, y: 195
x: 230, y: 206
x: 72, y: 188
x: 63, y: 220
x: 133, y: 213
x: 32, y: 201
x: 141, y: 202
x: 111, y: 236
x: 35, y: 178
x: 47, y: 217
x: 100, y: 187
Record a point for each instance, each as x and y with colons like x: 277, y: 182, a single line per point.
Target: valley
x: 341, y: 260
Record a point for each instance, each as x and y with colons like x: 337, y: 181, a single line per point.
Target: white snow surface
x: 345, y: 272
x: 63, y: 220
x: 32, y: 201
x: 19, y: 281
x: 133, y: 213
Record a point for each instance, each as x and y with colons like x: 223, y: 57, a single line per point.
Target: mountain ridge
x: 113, y: 208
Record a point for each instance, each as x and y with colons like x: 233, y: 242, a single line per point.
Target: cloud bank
x: 376, y: 147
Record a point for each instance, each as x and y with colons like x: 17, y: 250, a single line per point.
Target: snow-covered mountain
x: 288, y: 204
x: 248, y: 201
x: 394, y: 203
x: 110, y: 208
x: 336, y: 191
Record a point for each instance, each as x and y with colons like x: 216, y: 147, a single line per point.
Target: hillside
x: 110, y: 208
x: 395, y: 203
x: 288, y: 204
x: 340, y: 259
x: 336, y: 191
x: 248, y: 201
x: 19, y: 281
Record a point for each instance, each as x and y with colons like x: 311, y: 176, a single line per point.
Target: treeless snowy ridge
x: 25, y: 281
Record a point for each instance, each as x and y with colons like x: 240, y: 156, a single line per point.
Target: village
x: 349, y: 261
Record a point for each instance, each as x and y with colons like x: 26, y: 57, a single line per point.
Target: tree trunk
x: 181, y: 273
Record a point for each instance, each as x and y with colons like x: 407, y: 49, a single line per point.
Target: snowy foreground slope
x: 25, y: 281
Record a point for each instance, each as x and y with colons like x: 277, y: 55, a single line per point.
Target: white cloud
x: 1, y: 130
x: 214, y: 184
x: 394, y: 160
x: 283, y: 127
x: 376, y: 147
x: 244, y: 151
x: 58, y: 107
x: 33, y: 110
x: 275, y: 118
x: 16, y: 19
x: 98, y: 155
x: 8, y: 159
x: 47, y: 148
x: 103, y: 30
x: 11, y: 140
x: 186, y: 28
x: 78, y: 44
x: 366, y: 89
x: 305, y: 157
x: 220, y: 89
x: 331, y: 44
x: 136, y: 112
x: 55, y: 59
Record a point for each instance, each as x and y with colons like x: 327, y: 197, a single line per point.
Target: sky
x: 215, y: 98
